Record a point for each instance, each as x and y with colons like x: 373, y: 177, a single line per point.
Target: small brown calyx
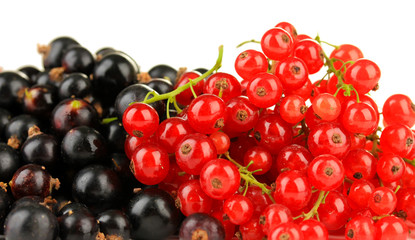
x: 132, y: 167
x: 33, y: 131
x: 357, y: 175
x: 376, y: 87
x: 284, y: 236
x: 257, y: 136
x: 216, y: 183
x: 328, y: 171
x: 14, y: 142
x: 303, y: 109
x: 49, y: 202
x: 243, y: 55
x: 200, y: 234
x: 241, y: 115
x: 143, y: 77
x: 377, y: 198
x: 180, y: 73
x: 221, y: 84
x: 3, y: 186
x: 238, y: 235
x: 295, y: 70
x: 98, y: 108
x: 55, y: 184
x: 177, y: 203
x: 113, y: 237
x: 100, y: 236
x: 138, y: 133
x: 262, y: 220
x: 56, y: 74
x: 225, y: 217
x: 321, y: 55
x: 186, y: 148
x: 413, y: 106
x: 336, y: 138
x: 220, y: 123
x: 260, y: 91
x: 409, y: 142
x: 23, y: 93
x: 137, y: 190
x: 350, y: 233
x: 285, y: 38
x: 402, y: 214
x: 395, y: 169
x: 43, y: 50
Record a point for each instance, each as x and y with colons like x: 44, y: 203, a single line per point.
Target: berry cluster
x: 201, y: 153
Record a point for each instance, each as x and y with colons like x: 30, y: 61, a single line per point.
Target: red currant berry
x: 289, y: 28
x: 390, y: 167
x: 140, y: 120
x: 192, y: 199
x: 391, y: 227
x: 225, y: 83
x: 304, y: 91
x: 288, y: 230
x: 277, y: 44
x: 360, y: 228
x: 313, y: 229
x: 206, y: 113
x: 360, y: 193
x: 171, y: 131
x: 311, y: 53
x: 249, y: 63
x: 274, y: 215
x: 264, y: 90
x: 344, y: 53
x: 335, y: 211
x: 219, y: 178
x: 398, y: 139
x: 185, y: 98
x: 360, y: 118
x: 221, y: 141
x: 364, y: 75
x: 251, y: 230
x: 293, y: 190
x: 240, y: 115
x: 383, y: 201
x: 260, y: 200
x: 294, y: 157
x: 292, y: 73
x: 326, y: 106
x: 359, y: 164
x: 261, y: 160
x: 408, y: 178
x: 131, y: 143
x: 326, y: 172
x: 292, y: 108
x: 238, y: 208
x: 399, y: 109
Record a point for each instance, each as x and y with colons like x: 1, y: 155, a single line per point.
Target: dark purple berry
x: 201, y: 226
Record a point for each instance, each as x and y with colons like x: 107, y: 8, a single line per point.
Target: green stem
x: 412, y: 162
x: 178, y: 109
x: 249, y: 41
x: 191, y: 88
x: 321, y: 197
x: 193, y: 82
x: 108, y: 120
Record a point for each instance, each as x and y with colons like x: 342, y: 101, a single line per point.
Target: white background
x: 188, y: 33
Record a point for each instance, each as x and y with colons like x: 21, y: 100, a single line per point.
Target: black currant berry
x: 53, y: 52
x: 115, y: 135
x: 163, y: 71
x: 31, y: 221
x: 5, y: 117
x: 44, y: 78
x: 18, y: 128
x: 98, y: 187
x: 83, y: 145
x: 78, y: 224
x: 12, y: 87
x: 31, y: 72
x: 78, y: 59
x: 71, y: 207
x: 5, y: 202
x: 47, y: 202
x: 112, y: 73
x: 73, y: 112
x: 160, y: 85
x: 201, y: 226
x: 41, y: 148
x: 9, y: 162
x: 32, y: 180
x: 103, y: 51
x: 75, y: 85
x: 114, y: 224
x: 153, y: 215
x: 39, y: 101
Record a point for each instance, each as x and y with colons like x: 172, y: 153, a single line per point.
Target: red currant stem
x: 249, y: 164
x: 320, y: 41
x: 343, y: 67
x: 257, y: 170
x: 233, y: 161
x: 168, y: 108
x: 380, y: 182
x: 337, y: 91
x: 148, y: 95
x: 249, y: 41
x: 397, y: 188
x: 412, y: 162
x: 314, y: 190
x: 324, y: 198
x: 220, y: 92
x: 273, y: 66
x: 313, y: 211
x: 191, y: 88
x: 193, y: 82
x: 108, y: 120
x: 357, y: 94
x: 181, y: 173
x: 376, y: 218
x: 329, y: 63
x: 246, y: 189
x: 178, y: 109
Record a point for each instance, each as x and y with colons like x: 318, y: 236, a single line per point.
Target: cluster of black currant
x: 63, y: 169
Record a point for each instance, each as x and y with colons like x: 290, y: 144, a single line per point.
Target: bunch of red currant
x: 275, y: 155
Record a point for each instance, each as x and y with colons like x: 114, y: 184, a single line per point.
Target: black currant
x: 31, y: 72
x: 9, y: 162
x: 163, y: 71
x: 76, y: 85
x: 18, y: 127
x: 78, y: 59
x: 201, y: 226
x: 44, y: 78
x: 78, y: 224
x: 160, y: 85
x: 115, y: 135
x: 114, y: 224
x: 39, y: 101
x: 5, y: 117
x: 53, y: 52
x: 12, y: 87
x: 5, y: 202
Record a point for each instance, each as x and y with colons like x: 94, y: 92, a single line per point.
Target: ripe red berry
x: 238, y: 208
x: 192, y: 199
x: 391, y: 227
x: 277, y: 44
x: 383, y: 201
x: 250, y: 62
x: 292, y: 73
x: 399, y: 109
x: 261, y: 159
x: 185, y: 98
x: 326, y: 172
x: 311, y: 53
x: 264, y: 90
x: 364, y: 75
x: 360, y: 228
x: 225, y: 83
x: 274, y: 215
x: 206, y: 113
x: 326, y: 106
x: 140, y: 120
x: 292, y: 189
x: 344, y: 53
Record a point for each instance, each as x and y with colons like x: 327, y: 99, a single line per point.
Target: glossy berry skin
x: 250, y: 62
x: 32, y: 221
x: 19, y: 126
x: 206, y: 113
x: 289, y: 28
x: 274, y: 215
x: 42, y: 149
x: 31, y: 180
x: 201, y: 226
x: 171, y: 132
x: 230, y: 86
x: 383, y: 201
x: 345, y: 52
x: 326, y: 106
x: 98, y: 187
x: 326, y: 172
x: 259, y: 200
x: 359, y: 164
x: 192, y: 199
x: 150, y: 164
x: 359, y: 194
x: 30, y: 71
x: 11, y: 83
x: 140, y: 120
x: 363, y: 74
x: 82, y: 146
x: 114, y: 223
x: 194, y: 151
x: 78, y: 59
x: 264, y: 90
x: 288, y: 230
x: 335, y: 212
x: 240, y: 115
x: 398, y: 108
x: 273, y: 133
x: 221, y: 141
x: 404, y: 206
x: 238, y: 208
x: 163, y: 71
x: 9, y: 162
x: 360, y: 228
x: 52, y: 57
x: 73, y: 112
x: 328, y: 138
x: 294, y: 157
x: 293, y: 190
x: 390, y: 167
x: 313, y: 229
x: 391, y: 227
x: 251, y: 230
x: 152, y: 214
x: 185, y: 98
x: 160, y: 85
x: 76, y: 85
x: 261, y: 159
x: 39, y: 101
x: 311, y: 53
x: 360, y: 118
x: 292, y: 73
x: 78, y: 223
x: 219, y: 178
x: 397, y: 139
x: 277, y: 44
x: 292, y: 108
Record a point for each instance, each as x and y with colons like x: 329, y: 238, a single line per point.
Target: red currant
x: 264, y: 90
x: 364, y: 75
x: 250, y: 62
x: 399, y: 109
x: 206, y: 113
x: 225, y: 83
x: 293, y: 190
x: 140, y: 120
x: 277, y: 44
x: 238, y: 208
x: 326, y: 172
